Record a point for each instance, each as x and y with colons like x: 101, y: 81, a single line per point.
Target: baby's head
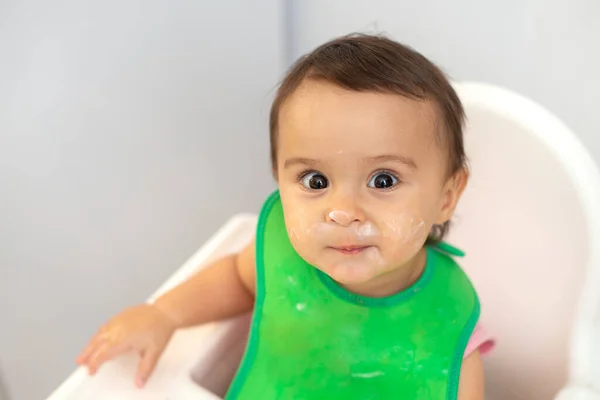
x: 367, y: 150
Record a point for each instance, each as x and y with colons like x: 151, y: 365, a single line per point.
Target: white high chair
x: 529, y: 223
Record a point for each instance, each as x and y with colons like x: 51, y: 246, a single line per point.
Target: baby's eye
x: 383, y: 180
x: 315, y: 181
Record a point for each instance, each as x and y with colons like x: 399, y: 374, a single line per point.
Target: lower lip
x: 350, y: 251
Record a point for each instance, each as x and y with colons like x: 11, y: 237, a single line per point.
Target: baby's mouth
x: 350, y: 249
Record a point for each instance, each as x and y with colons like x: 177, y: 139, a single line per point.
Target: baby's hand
x: 143, y: 329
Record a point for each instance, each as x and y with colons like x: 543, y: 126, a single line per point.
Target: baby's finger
x: 93, y: 344
x: 105, y: 352
x: 147, y: 363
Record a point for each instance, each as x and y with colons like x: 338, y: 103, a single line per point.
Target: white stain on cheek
x: 408, y: 229
x: 293, y: 234
x: 299, y: 227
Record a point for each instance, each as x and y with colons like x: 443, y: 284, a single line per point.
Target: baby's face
x: 362, y: 178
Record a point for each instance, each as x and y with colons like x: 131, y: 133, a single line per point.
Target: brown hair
x: 374, y: 63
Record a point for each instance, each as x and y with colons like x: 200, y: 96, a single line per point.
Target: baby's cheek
x: 300, y: 231
x: 296, y: 231
x: 295, y: 217
x: 298, y: 227
x: 406, y: 232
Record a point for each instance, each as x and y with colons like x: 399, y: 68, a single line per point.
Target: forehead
x: 320, y: 117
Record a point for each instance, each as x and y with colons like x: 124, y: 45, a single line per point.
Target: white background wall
x: 129, y: 132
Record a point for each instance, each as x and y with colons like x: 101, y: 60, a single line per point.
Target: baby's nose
x: 341, y: 217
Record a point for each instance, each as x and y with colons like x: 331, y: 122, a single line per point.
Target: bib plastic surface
x: 312, y: 339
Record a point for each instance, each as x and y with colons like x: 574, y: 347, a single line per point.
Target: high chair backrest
x: 529, y: 224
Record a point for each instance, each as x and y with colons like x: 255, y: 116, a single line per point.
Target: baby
x: 355, y: 295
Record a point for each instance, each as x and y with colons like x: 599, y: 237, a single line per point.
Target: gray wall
x: 129, y: 132
x: 545, y: 49
x: 3, y: 389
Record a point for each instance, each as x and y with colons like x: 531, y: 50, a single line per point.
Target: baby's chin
x: 350, y: 273
x: 345, y: 269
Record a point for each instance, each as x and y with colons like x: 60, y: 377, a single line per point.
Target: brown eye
x: 383, y: 180
x: 315, y: 181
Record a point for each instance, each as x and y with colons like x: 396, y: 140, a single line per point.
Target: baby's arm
x: 471, y: 378
x: 221, y: 290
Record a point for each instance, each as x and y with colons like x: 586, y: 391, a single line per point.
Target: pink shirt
x: 480, y: 340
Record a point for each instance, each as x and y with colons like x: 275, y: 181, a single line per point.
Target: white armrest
x: 577, y: 393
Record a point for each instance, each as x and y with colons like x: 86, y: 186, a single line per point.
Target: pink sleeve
x: 481, y: 340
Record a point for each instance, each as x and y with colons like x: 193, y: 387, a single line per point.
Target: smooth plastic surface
x: 529, y: 222
x: 578, y: 393
x: 530, y: 225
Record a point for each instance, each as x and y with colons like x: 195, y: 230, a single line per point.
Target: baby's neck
x: 393, y: 281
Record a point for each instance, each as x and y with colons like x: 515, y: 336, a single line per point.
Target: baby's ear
x: 453, y: 190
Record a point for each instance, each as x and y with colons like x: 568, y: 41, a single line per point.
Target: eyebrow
x: 394, y: 158
x: 378, y: 159
x: 299, y: 160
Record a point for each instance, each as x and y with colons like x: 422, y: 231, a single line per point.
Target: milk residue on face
x: 388, y: 234
x: 406, y: 229
x: 342, y: 224
x: 403, y: 227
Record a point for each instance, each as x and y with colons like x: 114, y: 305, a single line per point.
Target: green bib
x: 312, y: 340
